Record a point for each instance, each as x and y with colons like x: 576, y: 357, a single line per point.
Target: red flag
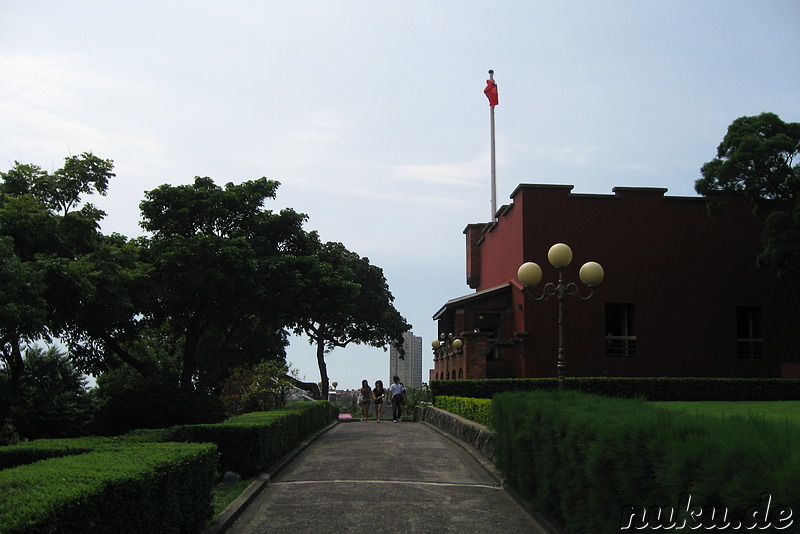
x: 491, y: 92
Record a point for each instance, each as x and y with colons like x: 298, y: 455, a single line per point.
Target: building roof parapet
x: 473, y: 225
x: 565, y: 187
x: 618, y: 193
x: 620, y: 190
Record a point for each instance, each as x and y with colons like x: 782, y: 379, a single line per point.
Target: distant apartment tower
x: 409, y: 369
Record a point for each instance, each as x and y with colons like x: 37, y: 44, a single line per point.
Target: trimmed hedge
x: 655, y: 389
x: 155, y: 487
x: 146, y: 481
x: 584, y: 460
x: 478, y: 410
x: 29, y: 452
x: 250, y: 443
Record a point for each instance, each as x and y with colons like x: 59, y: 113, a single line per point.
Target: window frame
x: 620, y: 321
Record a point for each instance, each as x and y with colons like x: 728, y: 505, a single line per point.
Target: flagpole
x: 494, y: 173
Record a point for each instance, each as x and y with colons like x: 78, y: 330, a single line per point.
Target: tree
x: 758, y: 158
x: 346, y: 300
x: 44, y: 238
x: 107, y: 322
x: 62, y: 190
x: 215, y: 255
x: 129, y: 401
x: 264, y: 386
x: 23, y: 309
x: 52, y: 401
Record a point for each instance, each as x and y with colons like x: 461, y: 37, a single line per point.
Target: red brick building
x: 682, y: 295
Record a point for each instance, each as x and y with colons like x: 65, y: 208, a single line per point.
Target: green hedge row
x: 156, y: 480
x: 154, y: 487
x: 478, y: 410
x: 591, y: 463
x: 29, y: 452
x: 655, y: 389
x: 250, y: 443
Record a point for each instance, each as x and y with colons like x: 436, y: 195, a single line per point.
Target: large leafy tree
x: 107, y: 323
x: 758, y: 158
x: 346, y: 300
x: 214, y: 254
x: 23, y: 308
x: 45, y: 237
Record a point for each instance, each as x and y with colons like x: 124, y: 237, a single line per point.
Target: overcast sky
x: 372, y: 115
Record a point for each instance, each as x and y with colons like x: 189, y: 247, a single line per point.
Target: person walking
x: 377, y: 395
x: 398, y: 401
x: 364, y: 399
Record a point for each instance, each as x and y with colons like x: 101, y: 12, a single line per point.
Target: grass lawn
x: 224, y: 494
x: 771, y: 410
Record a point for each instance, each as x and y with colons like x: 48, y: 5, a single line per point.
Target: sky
x: 371, y: 114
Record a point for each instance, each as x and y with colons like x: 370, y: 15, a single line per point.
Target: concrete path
x: 389, y: 477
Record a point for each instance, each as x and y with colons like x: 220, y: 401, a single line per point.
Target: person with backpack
x: 397, y: 390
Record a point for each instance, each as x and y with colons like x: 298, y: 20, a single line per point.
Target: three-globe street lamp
x: 560, y: 256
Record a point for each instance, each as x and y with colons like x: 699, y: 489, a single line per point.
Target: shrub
x: 580, y: 459
x: 28, y: 452
x: 478, y: 410
x: 650, y: 388
x: 145, y: 488
x: 417, y: 396
x: 260, y: 387
x: 155, y: 404
x: 142, y: 481
x: 250, y: 443
x: 51, y: 400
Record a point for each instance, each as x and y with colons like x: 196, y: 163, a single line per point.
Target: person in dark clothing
x: 364, y: 399
x: 377, y: 397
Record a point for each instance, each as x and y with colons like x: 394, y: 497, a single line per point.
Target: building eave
x: 471, y: 298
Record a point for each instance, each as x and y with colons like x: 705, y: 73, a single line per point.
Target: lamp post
x: 446, y: 346
x: 530, y: 274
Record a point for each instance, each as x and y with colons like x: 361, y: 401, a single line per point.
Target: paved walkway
x: 389, y: 477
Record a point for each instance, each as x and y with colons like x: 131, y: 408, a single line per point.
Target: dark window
x: 749, y: 334
x: 620, y: 331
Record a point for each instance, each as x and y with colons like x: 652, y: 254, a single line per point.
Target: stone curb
x: 476, y: 435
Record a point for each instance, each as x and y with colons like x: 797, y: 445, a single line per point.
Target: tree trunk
x: 323, y: 368
x: 16, y: 365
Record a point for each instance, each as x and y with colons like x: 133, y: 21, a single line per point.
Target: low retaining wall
x: 476, y: 435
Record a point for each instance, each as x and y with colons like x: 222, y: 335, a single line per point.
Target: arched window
x: 460, y: 373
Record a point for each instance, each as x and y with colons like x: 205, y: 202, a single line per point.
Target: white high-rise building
x: 409, y: 369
